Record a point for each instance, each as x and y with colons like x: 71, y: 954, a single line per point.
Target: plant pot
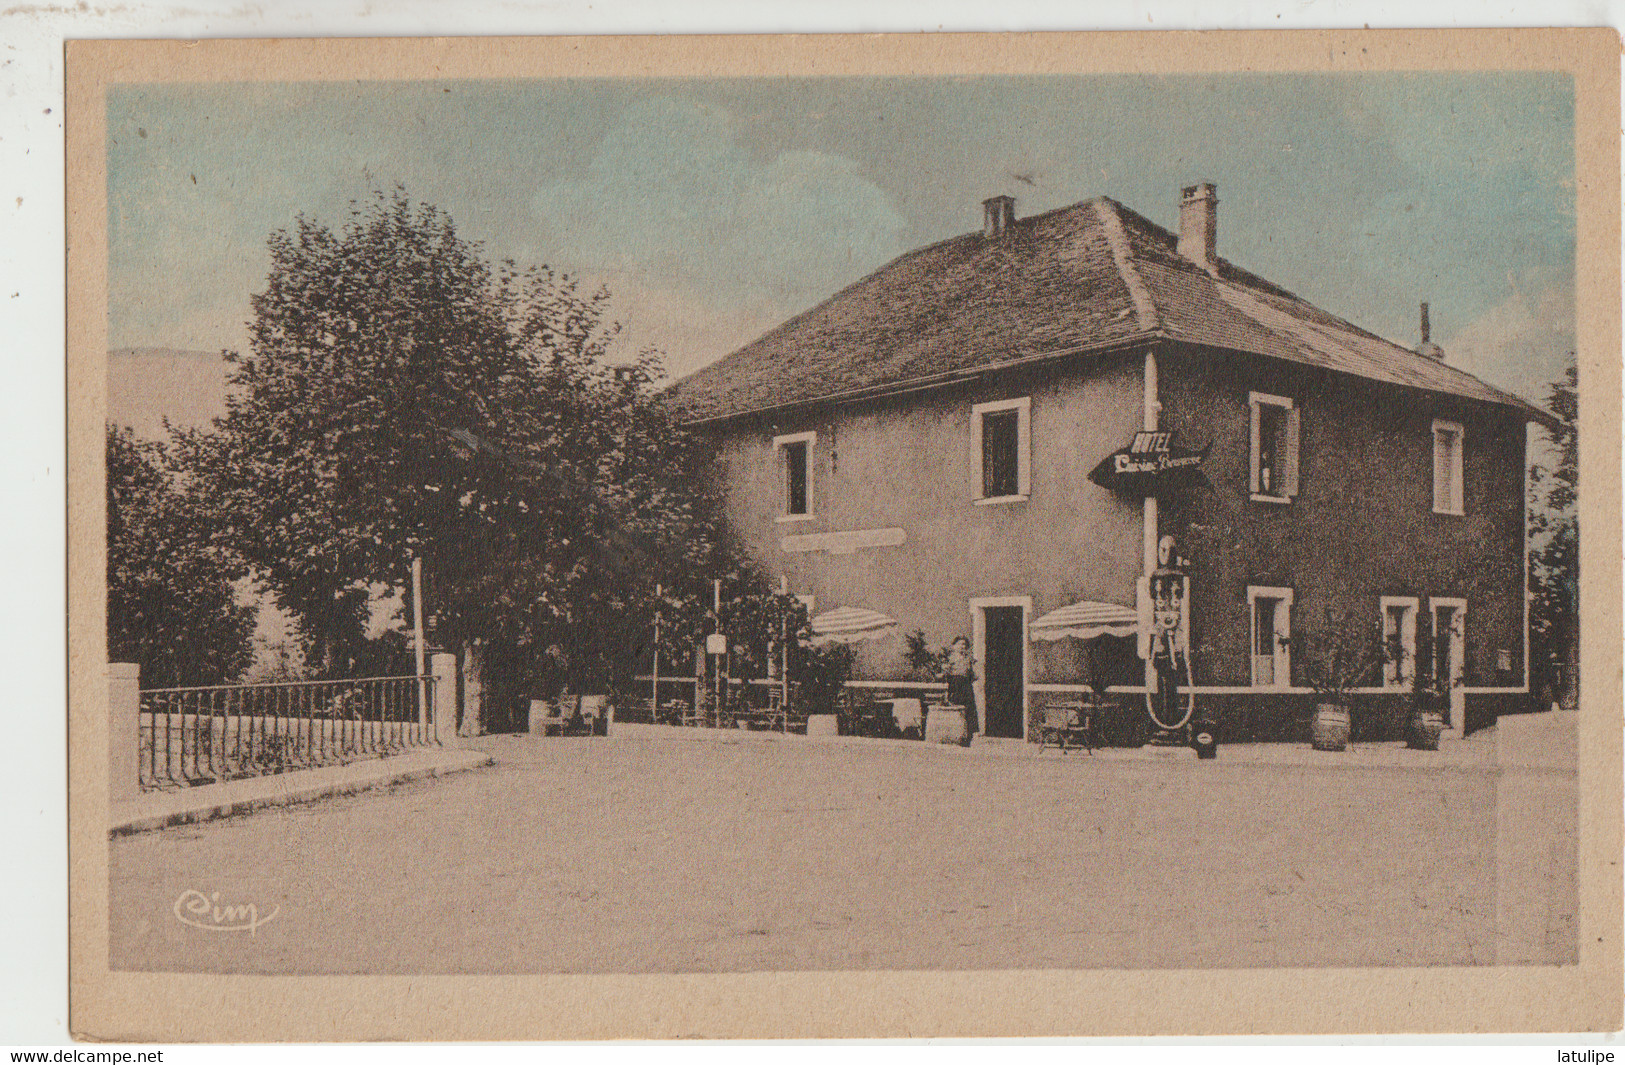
x: 1426, y: 728
x: 819, y: 725
x: 1329, y: 730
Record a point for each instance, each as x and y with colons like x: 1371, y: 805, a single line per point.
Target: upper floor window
x: 1447, y: 487
x: 796, y: 468
x: 1398, y: 641
x: 1001, y: 442
x: 1271, y: 610
x: 1276, y: 423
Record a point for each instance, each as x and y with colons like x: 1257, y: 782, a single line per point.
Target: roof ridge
x: 1111, y: 224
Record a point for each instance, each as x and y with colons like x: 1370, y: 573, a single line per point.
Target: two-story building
x: 921, y: 444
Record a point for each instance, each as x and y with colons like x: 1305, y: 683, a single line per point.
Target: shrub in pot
x: 1336, y: 658
x: 824, y: 671
x: 1427, y: 718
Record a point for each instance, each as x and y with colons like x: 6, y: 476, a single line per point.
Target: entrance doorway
x: 1001, y: 650
x: 1449, y: 647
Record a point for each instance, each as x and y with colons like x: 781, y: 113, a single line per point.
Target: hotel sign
x: 1152, y: 464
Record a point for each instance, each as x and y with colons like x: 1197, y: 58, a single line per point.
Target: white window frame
x: 1024, y: 435
x: 1401, y: 675
x: 1283, y: 635
x: 781, y: 464
x: 1456, y: 504
x: 1291, y: 462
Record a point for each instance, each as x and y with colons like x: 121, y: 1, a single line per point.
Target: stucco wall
x: 906, y: 463
x: 1362, y: 525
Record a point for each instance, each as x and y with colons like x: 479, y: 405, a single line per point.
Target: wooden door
x: 1003, y: 671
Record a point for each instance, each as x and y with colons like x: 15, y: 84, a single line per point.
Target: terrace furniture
x: 693, y: 715
x: 905, y: 716
x: 771, y: 714
x: 873, y: 716
x: 1072, y: 724
x: 594, y: 713
x: 554, y: 716
x: 670, y: 712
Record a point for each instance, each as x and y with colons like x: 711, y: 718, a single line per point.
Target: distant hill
x: 145, y: 385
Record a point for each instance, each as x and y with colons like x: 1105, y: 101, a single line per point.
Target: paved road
x: 583, y: 855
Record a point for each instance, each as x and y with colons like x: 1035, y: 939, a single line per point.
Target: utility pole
x: 417, y: 639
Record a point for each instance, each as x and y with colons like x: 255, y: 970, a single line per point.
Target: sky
x: 712, y: 210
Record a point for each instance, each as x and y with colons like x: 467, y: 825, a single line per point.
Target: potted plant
x: 1427, y: 717
x: 924, y: 661
x: 1336, y: 659
x: 1429, y: 703
x: 824, y: 672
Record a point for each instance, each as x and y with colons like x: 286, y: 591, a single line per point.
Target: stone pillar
x: 443, y: 712
x: 473, y: 689
x: 123, y: 731
x: 1458, y: 715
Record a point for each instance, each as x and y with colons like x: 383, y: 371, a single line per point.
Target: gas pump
x: 1165, y: 645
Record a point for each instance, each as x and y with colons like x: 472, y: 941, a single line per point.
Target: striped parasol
x: 851, y: 624
x: 1085, y: 621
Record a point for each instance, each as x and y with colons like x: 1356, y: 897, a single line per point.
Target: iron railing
x: 206, y: 735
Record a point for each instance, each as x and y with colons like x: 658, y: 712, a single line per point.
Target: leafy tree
x: 171, y: 603
x: 403, y: 397
x: 1554, y: 564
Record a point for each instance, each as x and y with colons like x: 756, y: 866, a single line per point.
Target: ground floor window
x: 1449, y: 640
x: 1271, y: 610
x: 1398, y: 641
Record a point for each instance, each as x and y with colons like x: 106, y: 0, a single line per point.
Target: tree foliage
x: 403, y: 397
x: 171, y: 604
x: 1554, y: 536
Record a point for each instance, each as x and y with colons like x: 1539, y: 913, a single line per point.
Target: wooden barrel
x: 945, y: 724
x: 1426, y: 726
x: 822, y: 725
x: 1329, y: 731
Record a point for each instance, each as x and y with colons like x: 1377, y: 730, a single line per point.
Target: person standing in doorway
x: 960, y: 670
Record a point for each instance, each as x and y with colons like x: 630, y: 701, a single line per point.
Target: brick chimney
x: 998, y: 215
x: 1427, y: 347
x: 1199, y: 224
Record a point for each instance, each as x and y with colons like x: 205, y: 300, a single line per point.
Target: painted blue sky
x: 714, y: 209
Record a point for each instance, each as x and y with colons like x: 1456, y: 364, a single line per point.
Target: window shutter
x: 782, y: 465
x: 1289, y: 478
x: 1252, y: 462
x: 976, y: 459
x: 1283, y: 641
x: 992, y: 468
x: 1443, y: 491
x: 1024, y: 437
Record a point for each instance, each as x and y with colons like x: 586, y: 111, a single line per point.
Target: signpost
x: 1151, y: 465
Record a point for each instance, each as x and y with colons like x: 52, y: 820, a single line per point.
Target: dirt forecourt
x: 587, y: 855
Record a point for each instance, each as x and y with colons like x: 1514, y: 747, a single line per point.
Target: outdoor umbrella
x: 851, y: 624
x: 1086, y: 621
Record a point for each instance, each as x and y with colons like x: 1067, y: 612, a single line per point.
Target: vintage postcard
x: 1048, y: 535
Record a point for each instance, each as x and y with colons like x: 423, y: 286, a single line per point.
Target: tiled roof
x: 1085, y: 278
